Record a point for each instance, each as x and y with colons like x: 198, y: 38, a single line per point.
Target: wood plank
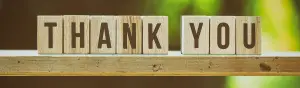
x: 195, y: 35
x: 76, y: 34
x: 150, y: 74
x: 248, y: 43
x: 161, y: 46
x: 103, y: 35
x: 222, y: 35
x: 149, y: 65
x: 129, y: 27
x: 49, y: 34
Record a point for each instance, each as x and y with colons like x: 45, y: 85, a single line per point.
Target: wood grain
x: 188, y: 36
x: 162, y: 35
x: 150, y: 65
x: 130, y: 20
x: 50, y: 26
x: 101, y: 23
x: 240, y: 38
x: 77, y: 19
x: 215, y: 27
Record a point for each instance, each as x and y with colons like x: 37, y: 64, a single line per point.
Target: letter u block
x: 248, y: 33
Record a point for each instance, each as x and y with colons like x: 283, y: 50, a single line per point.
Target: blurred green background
x: 280, y: 30
x: 280, y: 18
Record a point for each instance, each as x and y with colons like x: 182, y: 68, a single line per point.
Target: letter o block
x: 222, y: 35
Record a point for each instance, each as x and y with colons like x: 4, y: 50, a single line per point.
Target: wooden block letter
x: 222, y: 35
x: 248, y: 32
x: 50, y: 34
x: 195, y: 35
x: 103, y: 34
x: 155, y: 35
x: 129, y: 35
x: 76, y: 34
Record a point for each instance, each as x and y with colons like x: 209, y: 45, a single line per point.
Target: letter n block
x: 50, y: 37
x: 103, y: 34
x: 155, y: 35
x: 76, y: 34
x: 222, y: 35
x: 129, y: 35
x: 195, y: 35
x: 248, y: 31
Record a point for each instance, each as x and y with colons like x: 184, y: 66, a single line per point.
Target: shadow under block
x: 195, y: 35
x: 129, y: 35
x: 103, y: 34
x: 155, y: 35
x: 50, y: 37
x: 76, y: 34
x: 222, y: 35
x: 248, y: 32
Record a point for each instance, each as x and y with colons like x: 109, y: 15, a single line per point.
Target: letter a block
x: 103, y: 34
x: 50, y: 37
x: 155, y: 35
x: 248, y: 33
x: 222, y: 35
x: 76, y: 34
x: 129, y: 35
x: 195, y: 35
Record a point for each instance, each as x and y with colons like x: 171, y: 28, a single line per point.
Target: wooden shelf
x: 29, y: 63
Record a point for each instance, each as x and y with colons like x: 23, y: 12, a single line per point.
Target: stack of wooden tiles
x: 84, y: 34
x: 221, y: 35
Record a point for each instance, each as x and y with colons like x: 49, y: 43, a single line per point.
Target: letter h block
x: 76, y: 34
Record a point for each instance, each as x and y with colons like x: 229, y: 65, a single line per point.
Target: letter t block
x: 49, y: 37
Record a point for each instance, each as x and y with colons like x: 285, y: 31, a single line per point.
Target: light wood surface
x: 50, y: 26
x: 108, y: 25
x: 148, y: 65
x: 215, y: 22
x: 240, y: 46
x: 188, y: 39
x: 77, y: 19
x: 130, y: 20
x: 162, y: 34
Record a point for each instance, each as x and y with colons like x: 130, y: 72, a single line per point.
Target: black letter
x: 104, y: 29
x: 196, y: 34
x: 152, y: 36
x: 132, y: 37
x: 249, y: 46
x: 74, y: 35
x: 220, y: 35
x: 50, y: 33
